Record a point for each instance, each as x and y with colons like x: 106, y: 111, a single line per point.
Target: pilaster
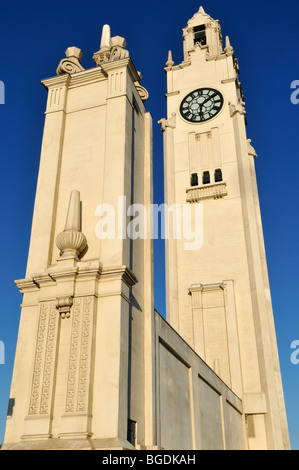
x: 171, y: 278
x: 48, y: 178
x: 263, y: 321
x: 111, y: 386
x: 150, y: 418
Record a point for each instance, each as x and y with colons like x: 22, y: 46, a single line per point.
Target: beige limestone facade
x: 96, y: 367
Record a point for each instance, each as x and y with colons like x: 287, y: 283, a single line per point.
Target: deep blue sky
x: 34, y: 36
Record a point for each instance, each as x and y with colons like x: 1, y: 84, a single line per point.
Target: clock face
x: 201, y: 105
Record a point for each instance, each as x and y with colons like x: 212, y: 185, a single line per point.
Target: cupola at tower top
x: 202, y: 33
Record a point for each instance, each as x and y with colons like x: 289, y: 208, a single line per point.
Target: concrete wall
x: 195, y: 409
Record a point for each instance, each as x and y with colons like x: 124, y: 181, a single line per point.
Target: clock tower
x: 96, y: 366
x: 217, y: 295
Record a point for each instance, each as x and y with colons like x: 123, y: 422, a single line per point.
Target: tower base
x: 112, y: 444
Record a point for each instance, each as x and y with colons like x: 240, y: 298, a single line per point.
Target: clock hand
x: 210, y: 97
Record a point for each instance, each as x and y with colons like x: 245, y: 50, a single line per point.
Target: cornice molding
x: 206, y: 287
x: 120, y: 272
x: 26, y: 285
x: 122, y: 63
x: 59, y: 80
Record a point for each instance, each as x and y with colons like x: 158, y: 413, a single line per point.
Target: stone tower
x: 87, y: 294
x: 218, y: 296
x: 96, y: 367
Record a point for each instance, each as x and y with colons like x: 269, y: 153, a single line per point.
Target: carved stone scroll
x: 72, y: 63
x: 143, y: 93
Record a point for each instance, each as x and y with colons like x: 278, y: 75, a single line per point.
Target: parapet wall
x: 195, y: 409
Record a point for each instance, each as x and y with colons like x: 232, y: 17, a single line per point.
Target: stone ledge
x: 105, y: 444
x: 255, y: 403
x: 208, y: 191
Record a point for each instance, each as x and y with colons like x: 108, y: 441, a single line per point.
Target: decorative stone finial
x: 73, y: 220
x: 106, y: 38
x: 169, y: 62
x: 111, y: 48
x: 103, y: 55
x: 71, y: 242
x: 228, y: 48
x: 202, y: 12
x: 72, y: 63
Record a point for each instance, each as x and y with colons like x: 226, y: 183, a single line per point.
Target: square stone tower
x: 88, y: 292
x: 218, y: 295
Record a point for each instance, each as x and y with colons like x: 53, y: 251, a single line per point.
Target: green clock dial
x: 201, y: 105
